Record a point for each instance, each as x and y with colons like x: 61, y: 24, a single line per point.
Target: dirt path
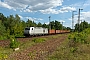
x: 38, y: 51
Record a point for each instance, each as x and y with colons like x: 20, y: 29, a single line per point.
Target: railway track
x: 5, y: 43
x: 39, y: 51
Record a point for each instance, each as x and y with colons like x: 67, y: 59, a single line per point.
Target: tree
x: 85, y: 25
x: 24, y: 23
x: 17, y: 19
x: 88, y: 25
x: 34, y: 24
x: 58, y: 25
x: 68, y: 28
x: 52, y: 25
x: 44, y: 25
x: 64, y: 28
x: 2, y: 17
x: 30, y: 23
x: 18, y: 27
x: 82, y: 26
x: 39, y: 25
x: 76, y: 27
x: 18, y: 30
x: 2, y: 30
x: 11, y: 23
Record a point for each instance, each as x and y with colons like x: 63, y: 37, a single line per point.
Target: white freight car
x: 35, y: 31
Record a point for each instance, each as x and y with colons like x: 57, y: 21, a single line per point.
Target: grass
x: 32, y: 54
x: 25, y: 45
x: 64, y: 52
x: 54, y: 36
x: 39, y: 40
x: 6, y: 51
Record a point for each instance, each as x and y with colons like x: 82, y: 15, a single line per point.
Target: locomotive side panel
x: 35, y: 31
x: 40, y: 31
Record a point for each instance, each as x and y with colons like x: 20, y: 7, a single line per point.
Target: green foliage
x: 57, y: 25
x: 87, y: 31
x: 14, y: 43
x: 44, y: 25
x: 2, y: 28
x: 4, y: 53
x: 81, y: 37
x: 66, y: 52
x: 2, y: 17
x: 29, y: 23
x: 2, y: 31
x: 3, y: 56
x: 71, y: 36
x: 32, y: 54
x: 79, y: 53
x: 39, y: 40
x: 78, y: 37
x: 82, y: 26
x: 18, y: 30
x: 39, y: 25
x: 73, y: 49
x: 3, y: 37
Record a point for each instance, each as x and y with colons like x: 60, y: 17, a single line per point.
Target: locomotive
x: 34, y: 31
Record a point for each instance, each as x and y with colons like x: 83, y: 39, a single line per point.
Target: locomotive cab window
x: 32, y: 28
x: 27, y: 28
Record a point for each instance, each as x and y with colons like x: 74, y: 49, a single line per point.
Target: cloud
x: 49, y: 11
x: 47, y: 23
x: 34, y: 19
x: 20, y: 16
x: 31, y: 5
x: 26, y: 10
x: 86, y: 4
x: 44, y: 6
x: 61, y: 21
x: 5, y: 5
x: 40, y: 19
x: 55, y: 11
x: 68, y: 25
x: 31, y: 18
x: 82, y: 4
x: 68, y: 9
x: 85, y: 16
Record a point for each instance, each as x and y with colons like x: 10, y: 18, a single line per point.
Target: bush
x: 78, y: 37
x: 73, y: 49
x: 14, y: 43
x: 87, y: 31
x: 39, y: 40
x: 3, y: 37
x: 3, y: 56
x: 81, y: 37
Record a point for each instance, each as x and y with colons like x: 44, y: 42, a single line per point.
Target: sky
x: 40, y: 10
